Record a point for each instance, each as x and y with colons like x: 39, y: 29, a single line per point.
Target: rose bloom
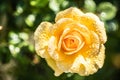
x: 73, y: 44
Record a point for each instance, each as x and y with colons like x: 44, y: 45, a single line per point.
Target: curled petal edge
x: 86, y: 66
x: 41, y: 37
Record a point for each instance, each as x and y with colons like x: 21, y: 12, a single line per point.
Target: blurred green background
x: 20, y: 18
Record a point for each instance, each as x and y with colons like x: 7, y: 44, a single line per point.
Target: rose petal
x: 86, y: 66
x: 63, y: 34
x: 41, y: 37
x: 60, y: 26
x: 93, y: 23
x: 72, y: 12
x: 63, y: 62
x: 64, y: 23
x: 83, y: 30
x: 72, y: 63
x: 89, y: 19
x: 90, y: 50
x: 52, y: 47
x: 52, y: 64
x: 83, y: 66
x: 78, y: 37
x: 66, y: 62
x: 99, y: 59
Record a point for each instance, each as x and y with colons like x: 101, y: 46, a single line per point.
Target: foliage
x: 20, y: 18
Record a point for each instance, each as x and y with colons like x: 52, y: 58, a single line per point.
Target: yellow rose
x: 74, y: 43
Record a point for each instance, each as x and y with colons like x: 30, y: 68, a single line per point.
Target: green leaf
x: 111, y: 26
x: 14, y: 38
x: 38, y: 3
x: 78, y: 77
x: 90, y: 5
x: 23, y: 36
x: 30, y: 20
x: 107, y: 10
x: 54, y: 5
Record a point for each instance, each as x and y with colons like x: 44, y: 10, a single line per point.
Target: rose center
x: 70, y: 43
